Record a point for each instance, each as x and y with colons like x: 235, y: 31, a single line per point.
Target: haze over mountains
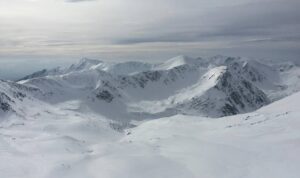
x: 147, y: 113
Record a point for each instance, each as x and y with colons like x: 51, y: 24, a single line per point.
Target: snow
x: 125, y: 68
x: 58, y: 127
x: 62, y: 142
x: 169, y: 87
x: 259, y: 144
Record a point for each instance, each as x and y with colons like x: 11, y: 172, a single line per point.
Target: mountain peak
x: 89, y: 61
x: 178, y: 61
x: 84, y: 63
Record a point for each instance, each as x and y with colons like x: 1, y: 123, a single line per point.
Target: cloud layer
x: 143, y: 29
x: 77, y: 0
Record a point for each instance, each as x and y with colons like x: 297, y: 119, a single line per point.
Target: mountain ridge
x: 175, y: 86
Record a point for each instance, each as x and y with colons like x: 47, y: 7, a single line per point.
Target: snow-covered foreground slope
x: 53, y: 140
x: 62, y: 142
x: 262, y: 144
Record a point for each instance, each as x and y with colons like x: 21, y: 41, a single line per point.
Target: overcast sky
x: 37, y: 33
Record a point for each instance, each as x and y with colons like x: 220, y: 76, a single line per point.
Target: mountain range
x: 211, y: 87
x: 185, y: 117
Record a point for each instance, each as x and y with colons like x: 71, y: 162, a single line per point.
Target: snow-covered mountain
x: 16, y: 98
x: 133, y: 119
x: 213, y: 87
x: 62, y: 141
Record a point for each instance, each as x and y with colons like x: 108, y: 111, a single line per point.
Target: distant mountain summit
x: 178, y: 61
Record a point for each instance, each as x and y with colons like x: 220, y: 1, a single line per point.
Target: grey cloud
x: 275, y: 39
x: 141, y: 28
x: 263, y: 19
x: 74, y: 1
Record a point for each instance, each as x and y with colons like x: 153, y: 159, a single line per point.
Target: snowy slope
x: 259, y: 144
x: 16, y: 99
x: 276, y: 78
x: 62, y: 142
